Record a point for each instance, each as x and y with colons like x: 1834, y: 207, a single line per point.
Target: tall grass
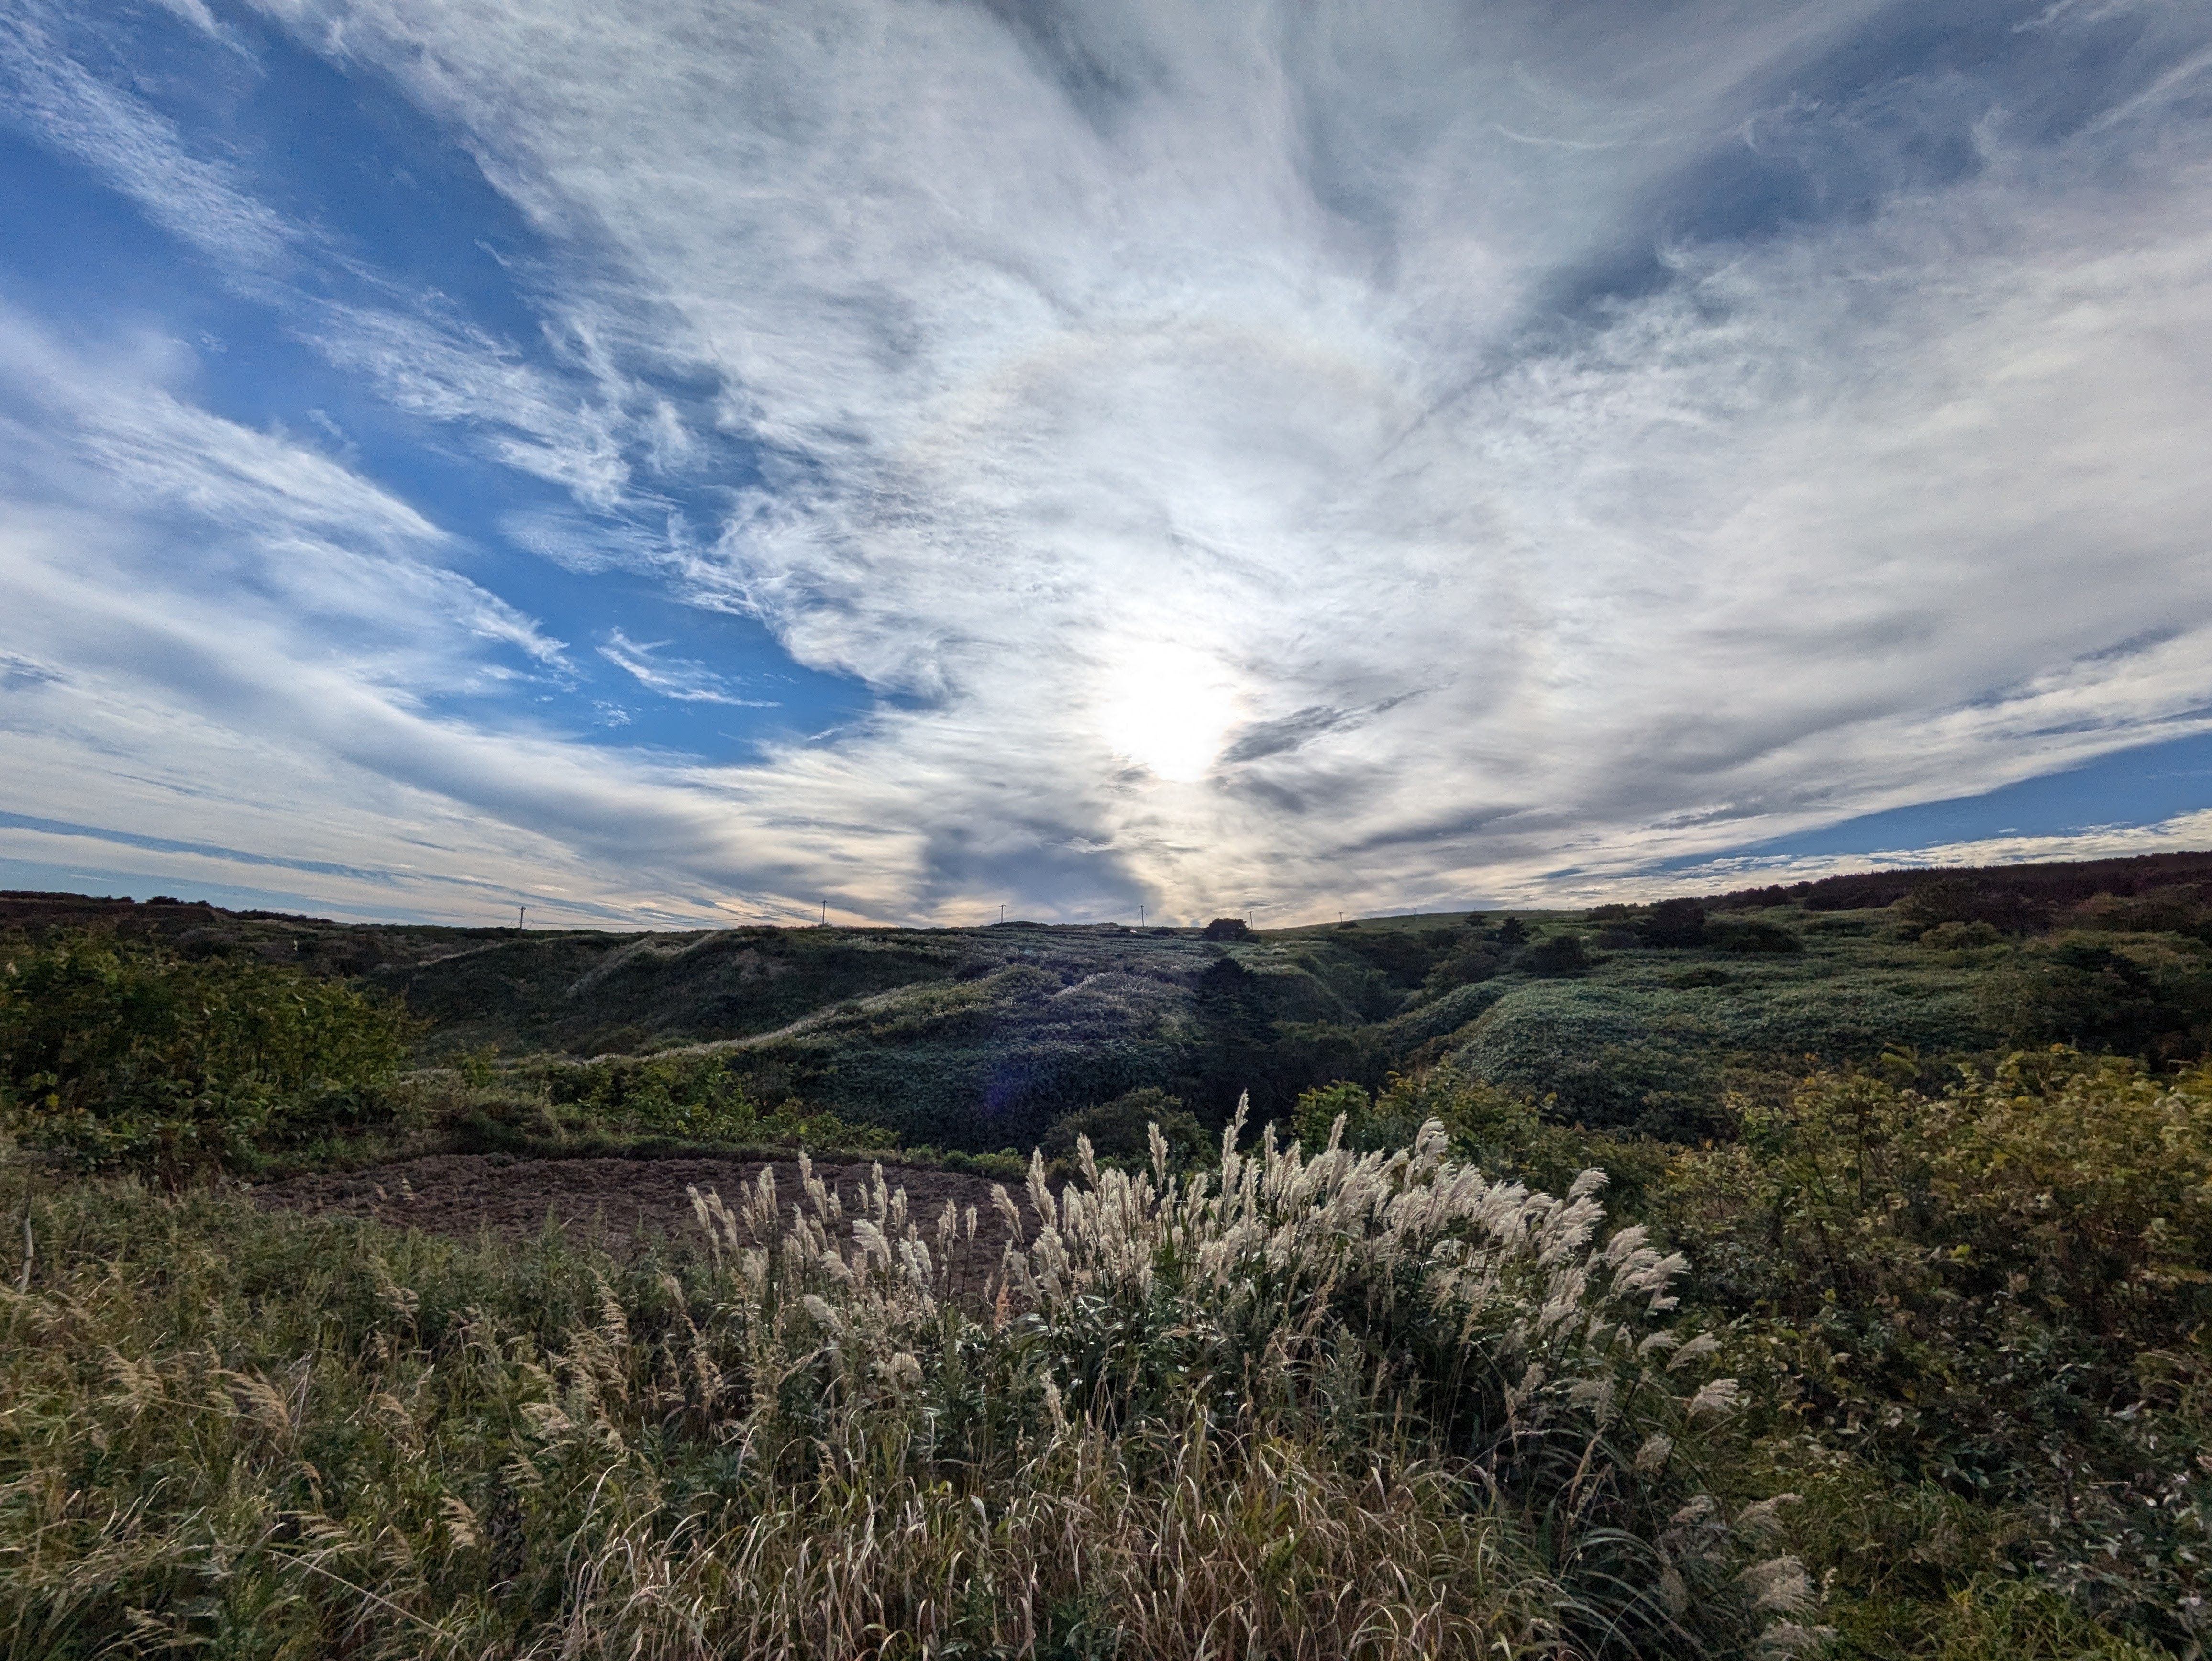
x: 1346, y: 1404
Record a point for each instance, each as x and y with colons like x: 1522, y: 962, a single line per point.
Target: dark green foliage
x: 1675, y: 924
x: 691, y: 1097
x: 2043, y: 887
x: 121, y: 1053
x: 1119, y: 1131
x: 1964, y: 899
x: 1746, y: 934
x: 1470, y: 960
x: 1504, y: 1133
x: 1555, y: 954
x: 1961, y: 936
x: 982, y: 1039
x: 597, y: 994
x: 2149, y: 996
x: 1226, y: 929
x: 2177, y: 909
x: 1405, y: 957
x: 1658, y: 1055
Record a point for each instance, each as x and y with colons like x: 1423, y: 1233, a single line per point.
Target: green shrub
x: 1960, y: 936
x: 124, y: 1054
x: 2145, y: 995
x: 2000, y: 1290
x: 692, y: 1098
x: 1502, y: 1132
x: 1119, y: 1131
x: 1751, y: 934
x: 1555, y: 954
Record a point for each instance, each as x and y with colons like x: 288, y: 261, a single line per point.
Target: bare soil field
x: 618, y: 1205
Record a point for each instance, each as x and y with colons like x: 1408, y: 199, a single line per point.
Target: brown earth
x: 617, y: 1204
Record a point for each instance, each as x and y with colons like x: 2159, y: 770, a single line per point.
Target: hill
x: 1637, y: 1018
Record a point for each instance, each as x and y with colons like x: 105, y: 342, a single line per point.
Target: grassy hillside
x: 1642, y: 1019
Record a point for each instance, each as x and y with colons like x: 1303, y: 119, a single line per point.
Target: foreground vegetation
x: 1354, y: 1405
x: 1865, y: 1346
x: 1889, y: 1376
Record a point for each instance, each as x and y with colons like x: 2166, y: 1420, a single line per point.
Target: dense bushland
x: 1977, y: 1323
x: 1974, y: 1325
x: 119, y: 1053
x: 1374, y: 1400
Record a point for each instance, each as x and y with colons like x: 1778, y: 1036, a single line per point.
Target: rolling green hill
x: 1633, y: 1018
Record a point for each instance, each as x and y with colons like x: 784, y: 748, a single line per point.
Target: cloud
x: 1274, y: 453
x: 450, y: 370
x: 260, y: 653
x: 1139, y: 339
x: 679, y: 678
x: 202, y: 202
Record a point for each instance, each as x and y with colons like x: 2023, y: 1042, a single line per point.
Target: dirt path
x: 610, y: 1203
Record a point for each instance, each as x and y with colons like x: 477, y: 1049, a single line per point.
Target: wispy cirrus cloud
x: 1282, y: 374
x: 672, y: 678
x: 142, y: 154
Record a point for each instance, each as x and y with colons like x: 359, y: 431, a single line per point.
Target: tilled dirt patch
x: 617, y: 1204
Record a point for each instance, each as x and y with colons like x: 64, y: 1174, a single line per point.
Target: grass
x: 1874, y: 1245
x: 228, y: 1432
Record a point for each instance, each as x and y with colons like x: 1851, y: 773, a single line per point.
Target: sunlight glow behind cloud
x: 1356, y: 460
x: 1166, y: 708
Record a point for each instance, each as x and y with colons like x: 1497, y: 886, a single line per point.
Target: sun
x: 1167, y: 707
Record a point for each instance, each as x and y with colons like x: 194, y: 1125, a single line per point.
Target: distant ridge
x: 2055, y: 883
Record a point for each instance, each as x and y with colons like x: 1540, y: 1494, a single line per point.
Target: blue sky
x: 663, y: 464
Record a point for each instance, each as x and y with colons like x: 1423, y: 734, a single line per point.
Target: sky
x: 697, y: 462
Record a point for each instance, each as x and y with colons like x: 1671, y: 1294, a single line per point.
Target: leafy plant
x: 1119, y: 1131
x: 261, y: 1435
x: 1999, y: 1293
x: 691, y: 1097
x: 125, y: 1053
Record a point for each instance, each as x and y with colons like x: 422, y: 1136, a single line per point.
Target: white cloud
x: 1165, y: 368
x: 139, y: 151
x: 219, y: 638
x: 1233, y: 441
x: 679, y: 678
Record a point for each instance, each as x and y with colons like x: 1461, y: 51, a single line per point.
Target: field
x: 413, y: 1291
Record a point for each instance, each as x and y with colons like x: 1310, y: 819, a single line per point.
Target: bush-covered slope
x: 1641, y: 1017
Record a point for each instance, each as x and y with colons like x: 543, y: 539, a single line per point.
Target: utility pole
x: 825, y: 914
x: 1140, y: 914
x: 1002, y: 914
x: 520, y: 912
